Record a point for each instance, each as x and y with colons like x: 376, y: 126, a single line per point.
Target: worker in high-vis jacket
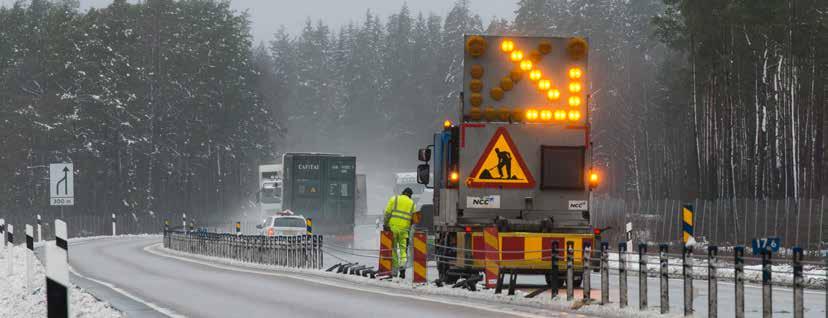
x: 398, y: 215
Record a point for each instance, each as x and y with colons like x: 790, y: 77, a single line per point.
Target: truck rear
x: 518, y: 160
x: 321, y: 187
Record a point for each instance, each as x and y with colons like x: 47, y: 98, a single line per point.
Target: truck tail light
x: 270, y: 231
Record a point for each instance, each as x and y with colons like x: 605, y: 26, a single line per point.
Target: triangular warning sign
x: 501, y: 165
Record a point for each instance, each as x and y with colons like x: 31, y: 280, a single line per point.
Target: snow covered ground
x: 16, y: 300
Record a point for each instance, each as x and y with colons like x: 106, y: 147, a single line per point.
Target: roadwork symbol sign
x: 501, y: 165
x: 61, y: 184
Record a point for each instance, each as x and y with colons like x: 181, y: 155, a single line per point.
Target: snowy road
x: 202, y: 290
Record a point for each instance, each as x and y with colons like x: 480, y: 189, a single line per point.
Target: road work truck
x: 518, y: 162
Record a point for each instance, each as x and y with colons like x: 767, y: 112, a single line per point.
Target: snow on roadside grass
x: 485, y: 295
x: 17, y: 301
x: 782, y: 274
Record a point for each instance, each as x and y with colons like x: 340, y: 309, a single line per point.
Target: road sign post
x: 61, y: 184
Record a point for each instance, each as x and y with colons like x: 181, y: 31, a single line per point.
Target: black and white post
x: 57, y: 274
x: 39, y: 228
x: 29, y: 256
x: 10, y: 242
x: 113, y: 225
x: 184, y: 222
x: 3, y: 232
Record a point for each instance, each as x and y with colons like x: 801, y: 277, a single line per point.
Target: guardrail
x: 301, y: 251
x: 655, y: 262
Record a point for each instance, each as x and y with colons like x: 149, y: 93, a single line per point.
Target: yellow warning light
x: 506, y: 83
x: 553, y: 94
x: 515, y: 75
x: 490, y: 113
x: 476, y: 45
x: 476, y: 71
x: 575, y: 73
x: 507, y: 45
x: 574, y: 115
x: 594, y: 179
x: 535, y: 75
x: 576, y: 48
x: 517, y: 115
x: 526, y: 65
x: 546, y: 115
x: 560, y: 115
x: 476, y: 99
x: 447, y: 123
x: 574, y: 101
x: 531, y: 114
x: 544, y: 84
x: 544, y: 47
x: 476, y: 85
x: 496, y: 93
x: 475, y: 113
x: 503, y: 113
x: 454, y: 176
x: 516, y: 56
x: 574, y: 87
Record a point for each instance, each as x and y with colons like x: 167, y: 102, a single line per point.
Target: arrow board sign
x: 61, y: 184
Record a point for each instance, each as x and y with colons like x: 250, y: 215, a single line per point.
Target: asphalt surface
x: 183, y: 288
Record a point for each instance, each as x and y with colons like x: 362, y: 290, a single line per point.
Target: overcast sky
x: 268, y: 15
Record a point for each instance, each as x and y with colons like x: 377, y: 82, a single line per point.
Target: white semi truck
x: 270, y: 189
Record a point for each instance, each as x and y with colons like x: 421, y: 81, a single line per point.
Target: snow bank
x: 17, y: 301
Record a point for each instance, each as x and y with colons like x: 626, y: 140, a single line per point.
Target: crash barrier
x: 661, y: 262
x: 301, y: 251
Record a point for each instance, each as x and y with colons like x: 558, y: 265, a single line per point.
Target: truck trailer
x: 518, y: 160
x: 321, y: 187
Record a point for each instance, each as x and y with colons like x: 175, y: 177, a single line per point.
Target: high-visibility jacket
x: 398, y: 211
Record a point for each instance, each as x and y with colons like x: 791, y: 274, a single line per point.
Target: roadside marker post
x: 622, y: 274
x: 687, y: 213
x: 10, y: 242
x: 29, y: 255
x: 555, y: 275
x: 184, y: 221
x: 642, y: 276
x: 665, y: 287
x: 3, y: 233
x: 238, y: 228
x: 39, y: 229
x: 113, y: 224
x: 687, y: 273
x: 739, y: 280
x: 604, y: 273
x: 57, y: 274
x: 712, y: 282
x: 309, y: 225
x: 767, y: 288
x: 798, y: 283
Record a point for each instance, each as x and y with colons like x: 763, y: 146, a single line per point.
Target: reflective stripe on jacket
x: 398, y: 211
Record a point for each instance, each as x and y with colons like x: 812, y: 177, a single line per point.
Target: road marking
x: 162, y: 310
x: 152, y: 250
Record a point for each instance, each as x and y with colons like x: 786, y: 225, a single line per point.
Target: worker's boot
x: 402, y: 273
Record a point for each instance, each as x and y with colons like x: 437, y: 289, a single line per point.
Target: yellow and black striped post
x: 687, y: 222
x: 309, y: 224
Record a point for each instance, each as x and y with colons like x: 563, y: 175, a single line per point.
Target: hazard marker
x: 384, y: 268
x: 420, y: 257
x: 492, y: 248
x: 501, y: 165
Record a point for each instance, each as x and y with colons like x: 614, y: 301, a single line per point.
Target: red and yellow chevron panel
x: 492, y: 247
x: 523, y: 250
x: 386, y: 240
x: 420, y: 257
